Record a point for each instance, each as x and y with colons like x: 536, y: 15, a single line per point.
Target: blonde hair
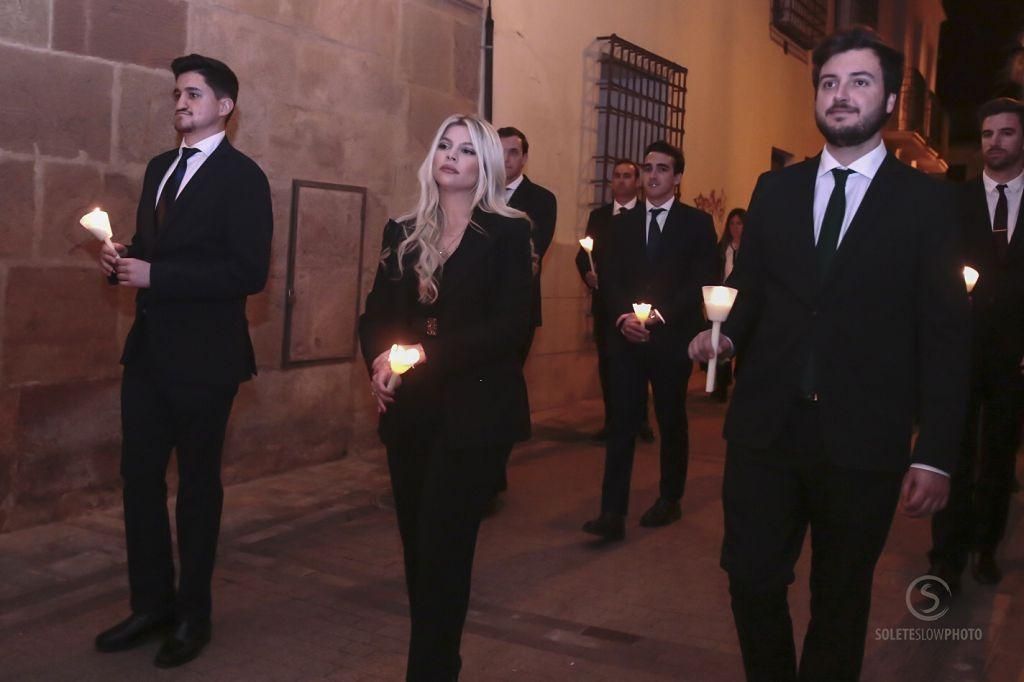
x: 425, y: 224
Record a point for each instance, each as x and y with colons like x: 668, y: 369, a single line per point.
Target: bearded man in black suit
x: 201, y: 246
x: 851, y: 324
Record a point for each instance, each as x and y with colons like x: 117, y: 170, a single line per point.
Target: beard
x: 853, y: 134
x: 1003, y: 162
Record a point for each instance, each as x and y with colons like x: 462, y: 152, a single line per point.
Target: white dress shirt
x: 1013, y: 191
x: 511, y: 187
x: 857, y: 184
x: 618, y: 208
x: 661, y: 218
x: 206, y: 147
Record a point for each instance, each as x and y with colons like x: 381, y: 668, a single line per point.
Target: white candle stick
x: 717, y: 304
x: 970, y: 278
x: 588, y: 245
x: 642, y: 311
x: 401, y: 360
x: 97, y: 222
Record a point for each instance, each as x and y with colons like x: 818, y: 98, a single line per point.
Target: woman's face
x: 736, y: 227
x: 456, y: 165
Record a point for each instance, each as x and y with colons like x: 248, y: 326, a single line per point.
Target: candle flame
x: 970, y: 277
x: 403, y: 359
x: 642, y: 311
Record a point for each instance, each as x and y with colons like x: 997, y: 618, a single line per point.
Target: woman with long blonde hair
x: 454, y: 281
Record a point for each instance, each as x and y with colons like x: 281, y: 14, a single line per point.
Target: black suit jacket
x: 687, y: 260
x: 998, y: 297
x: 542, y: 207
x: 888, y: 325
x: 471, y: 386
x: 211, y: 253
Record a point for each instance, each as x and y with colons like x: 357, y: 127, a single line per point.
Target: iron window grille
x: 802, y: 21
x: 641, y: 98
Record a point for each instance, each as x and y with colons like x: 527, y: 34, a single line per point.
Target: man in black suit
x: 993, y: 225
x: 201, y: 246
x: 850, y: 320
x: 625, y: 187
x: 661, y: 253
x: 542, y: 208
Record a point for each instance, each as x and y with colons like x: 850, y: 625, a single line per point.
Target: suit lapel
x: 866, y: 221
x: 195, y: 188
x: 474, y: 245
x: 1015, y: 250
x: 799, y: 233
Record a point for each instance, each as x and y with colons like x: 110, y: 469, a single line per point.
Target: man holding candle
x: 993, y: 224
x: 201, y: 246
x: 850, y: 319
x: 625, y: 186
x: 661, y: 255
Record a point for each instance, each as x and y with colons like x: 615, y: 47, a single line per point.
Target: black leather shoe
x: 646, y: 434
x: 607, y: 526
x: 661, y: 513
x: 185, y: 643
x: 132, y: 631
x: 985, y: 570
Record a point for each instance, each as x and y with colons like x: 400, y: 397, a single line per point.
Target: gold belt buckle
x: 431, y: 326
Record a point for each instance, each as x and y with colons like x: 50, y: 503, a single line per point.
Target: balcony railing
x: 917, y: 131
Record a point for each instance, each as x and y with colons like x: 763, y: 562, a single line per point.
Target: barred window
x: 641, y: 98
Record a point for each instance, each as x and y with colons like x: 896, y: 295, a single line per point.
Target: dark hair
x: 860, y: 38
x: 509, y: 131
x: 627, y: 162
x: 221, y: 79
x: 1001, y: 105
x: 726, y: 239
x: 678, y: 161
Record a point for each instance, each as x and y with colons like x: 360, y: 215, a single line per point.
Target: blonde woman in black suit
x: 454, y: 280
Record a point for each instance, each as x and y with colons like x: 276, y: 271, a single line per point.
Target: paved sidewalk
x: 309, y: 583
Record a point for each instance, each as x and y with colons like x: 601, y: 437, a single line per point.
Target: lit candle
x: 642, y: 311
x: 717, y: 304
x: 401, y: 359
x: 98, y: 224
x: 970, y: 277
x: 588, y: 245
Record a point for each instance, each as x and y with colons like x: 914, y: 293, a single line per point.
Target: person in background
x: 993, y: 235
x: 625, y: 186
x: 728, y: 250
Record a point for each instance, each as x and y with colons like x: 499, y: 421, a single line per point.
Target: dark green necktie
x: 832, y: 223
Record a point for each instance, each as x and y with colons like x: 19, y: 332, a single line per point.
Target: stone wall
x: 338, y: 91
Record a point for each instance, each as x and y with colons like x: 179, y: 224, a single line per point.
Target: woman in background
x: 454, y: 280
x: 728, y: 250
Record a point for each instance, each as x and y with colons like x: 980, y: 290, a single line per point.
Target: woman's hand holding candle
x: 388, y: 368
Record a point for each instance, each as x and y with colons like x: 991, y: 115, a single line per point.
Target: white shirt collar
x: 1014, y: 185
x: 667, y: 204
x: 511, y: 187
x: 207, y: 145
x: 617, y: 207
x: 866, y: 165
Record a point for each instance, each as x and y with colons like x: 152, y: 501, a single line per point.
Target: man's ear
x: 225, y: 105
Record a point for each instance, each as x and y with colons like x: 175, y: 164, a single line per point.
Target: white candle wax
x: 642, y: 311
x: 970, y: 278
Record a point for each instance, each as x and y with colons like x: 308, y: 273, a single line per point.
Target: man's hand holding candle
x: 109, y: 255
x: 701, y: 349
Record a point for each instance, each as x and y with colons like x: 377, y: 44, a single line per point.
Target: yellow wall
x: 744, y: 97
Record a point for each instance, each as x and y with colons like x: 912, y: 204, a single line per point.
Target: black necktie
x: 832, y: 223
x: 173, y: 184
x: 653, y: 234
x: 1000, y: 222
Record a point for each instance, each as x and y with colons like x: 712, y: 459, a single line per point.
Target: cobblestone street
x: 309, y: 583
